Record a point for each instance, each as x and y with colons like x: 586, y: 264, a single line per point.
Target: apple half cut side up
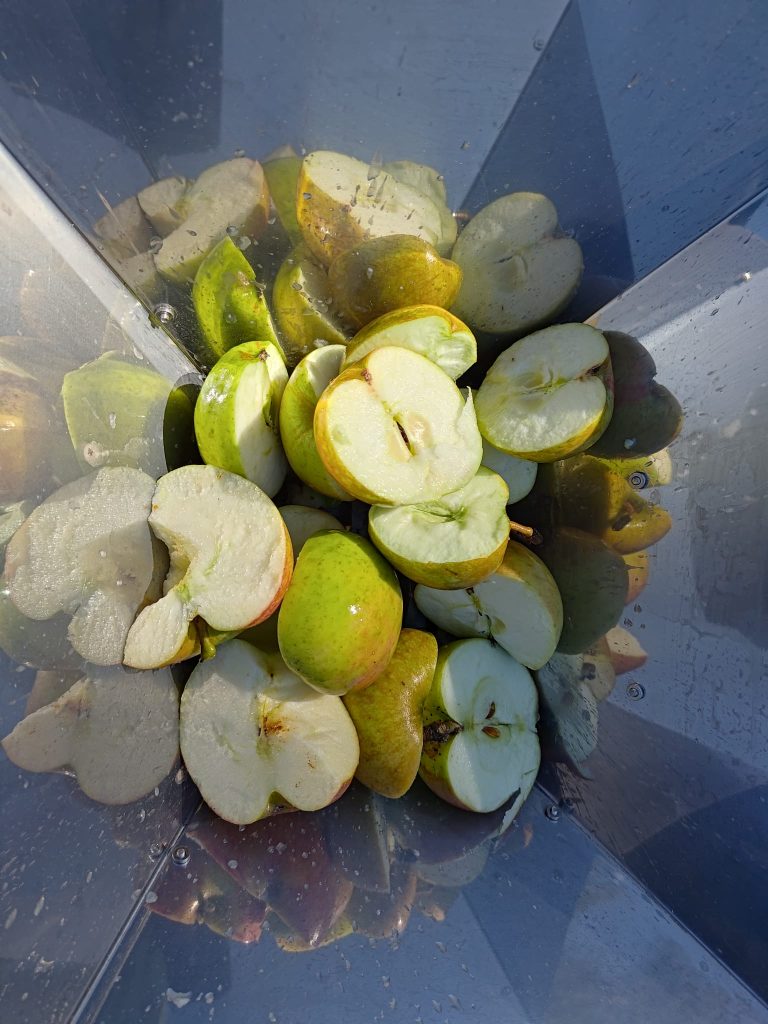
x: 549, y: 395
x: 480, y: 741
x: 236, y: 552
x: 394, y: 429
x: 251, y: 729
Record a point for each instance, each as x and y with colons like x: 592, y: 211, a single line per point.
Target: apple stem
x: 527, y: 532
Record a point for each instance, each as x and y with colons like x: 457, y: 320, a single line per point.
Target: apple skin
x: 340, y: 619
x: 304, y: 307
x: 282, y: 174
x: 388, y: 716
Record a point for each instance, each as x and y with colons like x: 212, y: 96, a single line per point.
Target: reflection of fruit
x: 638, y: 568
x: 549, y: 395
x: 125, y: 228
x: 519, y: 607
x: 385, y: 274
x: 359, y: 837
x: 341, y: 615
x: 282, y: 174
x: 117, y: 731
x: 518, y: 474
x: 40, y: 644
x: 480, y: 743
x: 430, y: 183
x: 645, y: 470
x: 388, y: 715
x: 48, y: 687
x: 394, y: 429
x: 160, y: 203
x: 597, y: 669
x: 383, y: 915
x: 458, y: 872
x: 519, y: 270
x: 233, y: 561
x: 592, y: 580
x: 428, y: 330
x: 304, y: 306
x: 303, y: 522
x: 569, y: 717
x: 236, y: 415
x: 290, y: 942
x: 626, y: 654
x: 254, y: 735
x: 646, y: 416
x: 454, y: 541
x: 25, y: 436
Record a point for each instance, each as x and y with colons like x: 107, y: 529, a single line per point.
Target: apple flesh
x: 454, y: 541
x: 638, y: 570
x: 388, y: 715
x: 160, y: 203
x: 394, y: 429
x: 282, y: 174
x: 625, y: 652
x: 341, y: 616
x: 480, y: 742
x: 518, y: 607
x: 304, y: 306
x: 43, y: 644
x: 428, y: 330
x: 26, y: 429
x: 519, y: 270
x: 597, y: 669
x: 518, y: 474
x: 430, y: 183
x: 230, y: 557
x: 236, y: 415
x: 125, y: 229
x: 549, y: 395
x: 253, y: 733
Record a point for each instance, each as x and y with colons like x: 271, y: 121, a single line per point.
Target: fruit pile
x: 375, y: 620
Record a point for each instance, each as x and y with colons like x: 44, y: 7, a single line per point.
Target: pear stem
x: 527, y: 532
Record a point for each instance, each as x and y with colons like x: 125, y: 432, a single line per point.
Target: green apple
x: 624, y: 651
x: 380, y: 275
x: 646, y: 415
x: 87, y: 551
x: 340, y: 618
x: 518, y: 474
x: 226, y: 196
x: 124, y: 228
x: 569, y: 715
x: 251, y: 731
x: 429, y: 330
x: 592, y: 580
x: 638, y: 570
x: 480, y: 742
x: 342, y: 201
x: 388, y: 715
x: 393, y: 429
x: 26, y: 428
x: 117, y: 731
x: 304, y: 307
x: 548, y: 396
x: 454, y: 541
x: 160, y: 203
x: 229, y: 305
x: 231, y: 561
x: 236, y: 415
x: 282, y: 174
x: 519, y: 269
x: 430, y: 183
x: 518, y: 607
x: 297, y: 415
x: 303, y: 522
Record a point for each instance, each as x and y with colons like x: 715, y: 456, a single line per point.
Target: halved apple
x: 297, y: 414
x: 549, y: 395
x: 342, y: 201
x: 252, y: 731
x: 236, y: 414
x: 518, y: 474
x: 303, y: 522
x: 233, y: 549
x: 394, y: 429
x: 480, y: 742
x: 160, y: 203
x: 519, y: 269
x: 430, y: 183
x: 429, y: 330
x: 451, y: 542
x: 304, y: 306
x: 518, y: 607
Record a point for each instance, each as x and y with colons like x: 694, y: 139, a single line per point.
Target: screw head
x: 180, y: 856
x: 635, y: 691
x: 165, y: 312
x: 552, y: 812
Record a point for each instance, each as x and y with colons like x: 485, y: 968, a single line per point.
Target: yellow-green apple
x: 253, y: 735
x: 341, y: 616
x: 548, y: 396
x: 297, y: 413
x: 518, y: 607
x: 383, y: 274
x: 388, y: 715
x: 236, y: 414
x: 450, y: 542
x: 87, y: 551
x: 303, y: 522
x: 281, y: 170
x: 342, y: 201
x: 304, y: 306
x: 480, y: 742
x: 385, y: 915
x: 569, y: 716
x: 625, y: 652
x: 638, y: 569
x: 289, y: 941
x: 429, y: 330
x: 160, y: 203
x: 519, y: 269
x: 394, y: 429
x: 231, y: 561
x: 430, y: 183
x: 518, y: 474
x: 117, y: 731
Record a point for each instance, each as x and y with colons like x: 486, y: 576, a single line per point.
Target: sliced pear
x: 87, y: 551
x: 428, y: 330
x: 304, y: 522
x: 161, y: 201
x: 549, y: 395
x: 125, y: 228
x: 236, y: 415
x: 569, y: 715
x: 518, y: 474
x: 432, y: 184
x: 519, y: 607
x: 453, y: 541
x: 342, y: 201
x: 394, y: 429
x: 304, y: 307
x: 117, y: 731
x: 251, y: 729
x: 232, y: 544
x: 519, y: 270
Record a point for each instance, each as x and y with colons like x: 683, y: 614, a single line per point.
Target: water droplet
x: 232, y: 230
x: 552, y: 812
x: 232, y: 864
x: 746, y: 276
x: 635, y: 691
x: 538, y: 44
x: 369, y: 272
x: 155, y: 244
x: 112, y: 420
x: 243, y: 242
x: 239, y: 152
x: 151, y: 897
x: 155, y: 850
x: 230, y: 318
x: 465, y: 145
x: 307, y: 195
